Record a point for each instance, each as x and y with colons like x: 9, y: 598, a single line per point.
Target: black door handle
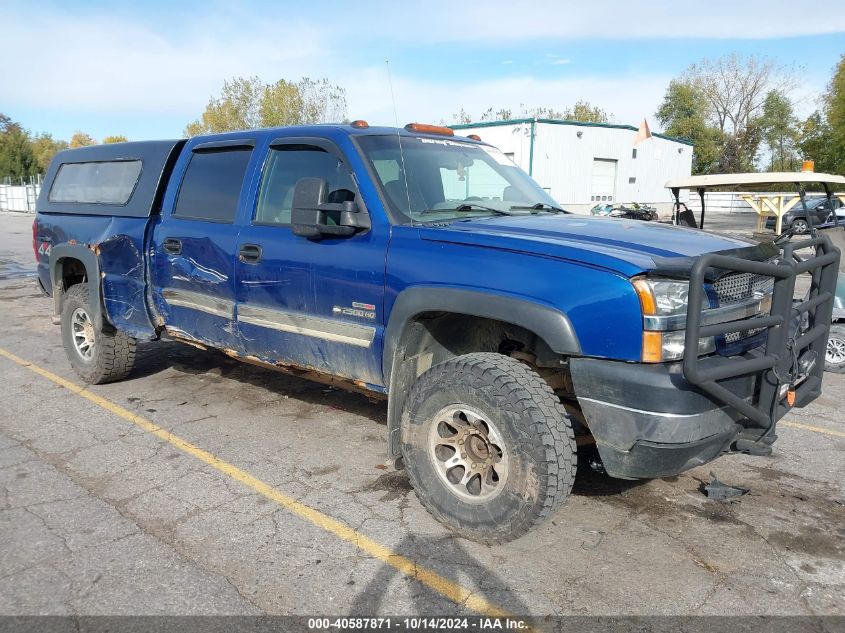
x: 250, y: 253
x: 172, y: 246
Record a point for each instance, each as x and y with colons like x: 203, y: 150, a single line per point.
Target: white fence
x: 19, y: 197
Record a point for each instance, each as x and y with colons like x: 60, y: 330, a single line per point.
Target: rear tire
x: 98, y: 355
x: 800, y: 226
x: 834, y: 359
x: 504, y: 422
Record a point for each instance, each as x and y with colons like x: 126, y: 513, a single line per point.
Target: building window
x: 634, y: 153
x: 632, y: 180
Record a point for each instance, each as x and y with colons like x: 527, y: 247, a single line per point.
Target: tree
x: 321, y: 102
x: 502, y: 114
x: 582, y: 111
x: 815, y: 143
x: 684, y: 114
x: 280, y: 104
x: 246, y: 103
x: 834, y: 102
x: 462, y: 117
x: 44, y: 146
x: 81, y: 139
x: 739, y: 151
x: 16, y: 157
x: 720, y: 104
x: 118, y: 138
x: 735, y: 87
x: 779, y: 130
x: 585, y: 112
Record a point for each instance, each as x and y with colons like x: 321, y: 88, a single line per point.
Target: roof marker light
x: 425, y: 128
x: 361, y: 124
x: 474, y: 137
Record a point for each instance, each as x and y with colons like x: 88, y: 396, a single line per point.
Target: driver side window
x: 287, y: 165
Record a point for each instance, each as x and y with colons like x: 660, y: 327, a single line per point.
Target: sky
x: 146, y: 69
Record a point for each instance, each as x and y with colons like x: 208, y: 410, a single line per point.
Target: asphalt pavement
x: 201, y: 485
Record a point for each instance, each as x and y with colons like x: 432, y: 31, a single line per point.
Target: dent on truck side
x: 113, y: 257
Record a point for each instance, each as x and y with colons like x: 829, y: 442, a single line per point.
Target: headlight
x: 664, y: 297
x: 662, y: 301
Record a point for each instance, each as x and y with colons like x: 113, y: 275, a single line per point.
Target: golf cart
x: 822, y: 237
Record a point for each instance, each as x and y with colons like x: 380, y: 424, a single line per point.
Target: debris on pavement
x: 719, y: 491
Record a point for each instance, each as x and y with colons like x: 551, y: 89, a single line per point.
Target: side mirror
x: 313, y: 217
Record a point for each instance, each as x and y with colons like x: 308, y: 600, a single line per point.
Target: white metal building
x: 583, y: 164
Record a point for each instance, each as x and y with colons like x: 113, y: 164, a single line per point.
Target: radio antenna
x: 398, y: 136
x: 392, y: 95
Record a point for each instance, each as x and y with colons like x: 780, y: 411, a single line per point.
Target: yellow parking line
x: 810, y: 427
x: 431, y: 579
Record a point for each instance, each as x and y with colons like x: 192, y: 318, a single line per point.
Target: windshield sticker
x: 448, y: 143
x: 497, y: 155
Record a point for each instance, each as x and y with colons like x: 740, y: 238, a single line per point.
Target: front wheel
x: 97, y: 354
x: 834, y: 358
x: 488, y: 446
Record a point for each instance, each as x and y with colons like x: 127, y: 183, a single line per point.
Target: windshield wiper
x: 466, y: 207
x: 541, y: 206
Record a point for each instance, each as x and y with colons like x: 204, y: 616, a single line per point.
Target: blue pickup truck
x: 506, y: 334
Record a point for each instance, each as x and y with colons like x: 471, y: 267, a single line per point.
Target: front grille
x: 733, y: 337
x: 737, y: 287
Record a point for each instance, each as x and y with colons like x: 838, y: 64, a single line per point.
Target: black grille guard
x: 778, y: 363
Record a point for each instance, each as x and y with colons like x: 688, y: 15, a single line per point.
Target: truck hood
x: 629, y: 247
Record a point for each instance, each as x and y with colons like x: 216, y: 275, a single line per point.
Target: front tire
x: 834, y: 358
x: 488, y: 446
x: 98, y: 355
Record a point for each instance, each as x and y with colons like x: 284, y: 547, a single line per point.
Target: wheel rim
x: 835, y: 353
x: 800, y: 226
x: 82, y: 331
x: 468, y: 453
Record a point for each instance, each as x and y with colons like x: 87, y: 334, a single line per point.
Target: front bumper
x: 649, y: 421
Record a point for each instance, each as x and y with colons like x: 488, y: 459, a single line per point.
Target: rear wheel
x: 97, y: 354
x: 834, y: 358
x: 800, y: 226
x: 488, y: 446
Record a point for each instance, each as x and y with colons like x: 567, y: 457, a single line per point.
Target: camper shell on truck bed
x: 430, y: 270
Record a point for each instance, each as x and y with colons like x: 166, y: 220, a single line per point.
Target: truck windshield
x: 434, y: 180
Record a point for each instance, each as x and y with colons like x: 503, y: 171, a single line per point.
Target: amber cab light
x: 474, y: 137
x: 425, y: 128
x: 361, y: 124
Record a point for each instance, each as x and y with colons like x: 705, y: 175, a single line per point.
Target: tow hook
x: 802, y: 368
x: 806, y: 363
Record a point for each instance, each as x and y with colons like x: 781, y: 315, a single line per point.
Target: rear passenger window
x: 212, y: 185
x: 109, y: 182
x: 286, y: 166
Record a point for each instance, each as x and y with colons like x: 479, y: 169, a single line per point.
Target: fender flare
x: 550, y: 324
x: 92, y: 268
